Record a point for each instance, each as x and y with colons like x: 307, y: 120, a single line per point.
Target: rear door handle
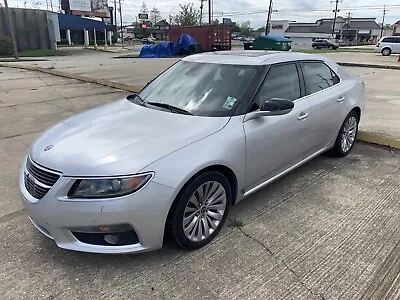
x: 340, y: 99
x: 303, y: 116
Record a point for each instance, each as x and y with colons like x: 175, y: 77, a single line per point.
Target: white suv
x: 389, y: 45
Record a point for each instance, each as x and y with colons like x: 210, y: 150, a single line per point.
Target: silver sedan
x: 172, y: 159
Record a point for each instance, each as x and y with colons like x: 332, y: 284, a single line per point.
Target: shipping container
x: 210, y: 37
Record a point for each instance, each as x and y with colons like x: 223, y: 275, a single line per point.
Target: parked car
x: 148, y: 41
x: 324, y: 44
x: 389, y: 45
x: 208, y: 132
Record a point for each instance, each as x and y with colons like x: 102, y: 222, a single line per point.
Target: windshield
x: 202, y: 89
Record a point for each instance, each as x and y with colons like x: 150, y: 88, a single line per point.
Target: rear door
x: 274, y: 143
x: 326, y: 96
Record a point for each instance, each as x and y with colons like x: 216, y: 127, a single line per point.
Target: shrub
x: 99, y: 43
x: 6, y: 46
x: 63, y: 42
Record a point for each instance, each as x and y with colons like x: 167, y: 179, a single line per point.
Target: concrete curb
x: 378, y: 139
x: 345, y: 64
x: 104, y: 82
x: 6, y: 60
x: 364, y: 136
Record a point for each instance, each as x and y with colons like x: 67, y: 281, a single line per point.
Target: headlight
x: 108, y: 187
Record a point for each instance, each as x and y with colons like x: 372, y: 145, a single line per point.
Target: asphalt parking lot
x: 329, y: 230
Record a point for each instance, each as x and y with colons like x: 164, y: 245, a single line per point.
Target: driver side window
x: 282, y: 81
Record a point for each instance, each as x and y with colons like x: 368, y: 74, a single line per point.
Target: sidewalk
x: 380, y: 121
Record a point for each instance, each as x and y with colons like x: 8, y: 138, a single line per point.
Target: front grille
x: 45, y: 177
x: 34, y: 176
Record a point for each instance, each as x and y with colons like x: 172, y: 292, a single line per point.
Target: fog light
x: 111, y: 239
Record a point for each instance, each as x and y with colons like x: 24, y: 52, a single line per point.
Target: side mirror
x: 272, y: 107
x: 277, y: 107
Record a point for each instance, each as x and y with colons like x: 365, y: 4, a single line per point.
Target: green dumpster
x: 269, y: 42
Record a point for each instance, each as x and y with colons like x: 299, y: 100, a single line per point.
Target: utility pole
x: 348, y: 26
x: 383, y: 19
x: 209, y: 12
x: 115, y: 14
x: 8, y: 17
x: 267, y: 29
x: 201, y: 11
x: 120, y: 16
x: 334, y: 20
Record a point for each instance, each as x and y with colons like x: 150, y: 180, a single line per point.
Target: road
x: 329, y: 230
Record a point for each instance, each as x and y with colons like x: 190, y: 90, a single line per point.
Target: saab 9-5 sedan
x: 202, y: 136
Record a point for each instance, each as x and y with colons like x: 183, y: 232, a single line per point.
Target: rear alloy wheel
x: 315, y: 47
x: 201, y: 210
x: 347, y: 135
x: 386, y: 51
x: 331, y: 47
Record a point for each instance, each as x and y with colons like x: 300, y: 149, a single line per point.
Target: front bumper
x: 145, y: 211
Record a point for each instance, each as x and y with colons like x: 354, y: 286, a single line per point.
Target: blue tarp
x: 74, y: 22
x: 163, y: 49
x: 167, y: 49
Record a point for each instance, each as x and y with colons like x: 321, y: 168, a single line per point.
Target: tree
x: 235, y: 27
x: 155, y: 15
x: 144, y: 9
x: 188, y: 16
x: 245, y: 28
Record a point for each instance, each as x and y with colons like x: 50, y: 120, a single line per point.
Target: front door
x: 274, y: 143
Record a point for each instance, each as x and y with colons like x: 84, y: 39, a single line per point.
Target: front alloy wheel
x: 204, y: 211
x: 201, y: 210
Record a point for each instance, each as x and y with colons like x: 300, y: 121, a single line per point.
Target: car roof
x: 252, y: 57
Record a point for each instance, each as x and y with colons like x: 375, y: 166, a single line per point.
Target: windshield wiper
x: 171, y: 108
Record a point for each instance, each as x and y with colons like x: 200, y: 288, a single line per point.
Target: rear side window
x: 391, y: 40
x: 318, y: 76
x: 281, y: 82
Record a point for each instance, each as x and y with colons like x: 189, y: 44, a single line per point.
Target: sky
x: 254, y: 10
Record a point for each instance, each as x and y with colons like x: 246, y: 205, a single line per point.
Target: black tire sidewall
x: 337, y: 148
x: 182, y: 200
x: 383, y: 51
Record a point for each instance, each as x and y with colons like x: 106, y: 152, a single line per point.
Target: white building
x: 351, y: 31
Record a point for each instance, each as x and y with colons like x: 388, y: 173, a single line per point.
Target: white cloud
x: 256, y: 10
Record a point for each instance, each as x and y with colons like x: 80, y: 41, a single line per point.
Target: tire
x: 386, y: 51
x: 186, y: 207
x: 315, y: 47
x: 331, y: 47
x: 348, y: 131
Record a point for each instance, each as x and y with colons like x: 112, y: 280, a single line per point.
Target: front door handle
x: 303, y: 116
x: 340, y: 99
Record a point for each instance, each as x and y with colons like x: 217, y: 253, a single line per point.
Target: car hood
x: 118, y: 139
